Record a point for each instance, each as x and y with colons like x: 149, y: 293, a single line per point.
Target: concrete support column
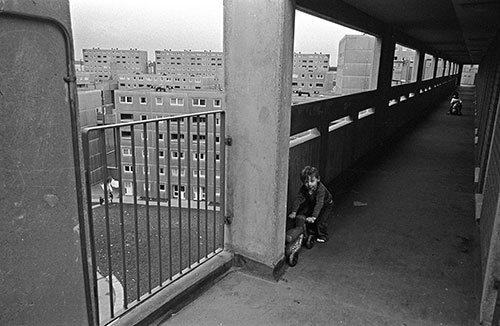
x: 420, y: 65
x: 258, y: 59
x: 385, y: 47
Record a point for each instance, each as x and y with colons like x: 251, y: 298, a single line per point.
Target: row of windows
x: 173, y: 171
x: 311, y: 76
x: 191, y: 58
x: 167, y: 79
x: 173, y: 154
x: 175, y: 137
x: 194, y: 120
x: 192, y: 64
x: 176, y: 101
x: 190, y: 54
x: 318, y: 85
x: 199, y: 194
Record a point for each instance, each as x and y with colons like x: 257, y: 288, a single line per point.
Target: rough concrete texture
x: 409, y: 257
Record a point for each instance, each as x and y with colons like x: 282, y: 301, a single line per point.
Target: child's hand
x: 310, y: 219
x: 292, y: 215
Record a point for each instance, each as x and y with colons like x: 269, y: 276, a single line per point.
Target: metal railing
x: 157, y: 212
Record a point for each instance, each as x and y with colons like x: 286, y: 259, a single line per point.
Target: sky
x: 179, y: 25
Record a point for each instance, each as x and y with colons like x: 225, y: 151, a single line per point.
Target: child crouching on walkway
x: 314, y: 203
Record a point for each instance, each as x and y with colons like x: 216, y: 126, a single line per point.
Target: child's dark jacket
x: 311, y: 205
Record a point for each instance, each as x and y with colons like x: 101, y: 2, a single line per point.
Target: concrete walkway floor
x: 410, y: 257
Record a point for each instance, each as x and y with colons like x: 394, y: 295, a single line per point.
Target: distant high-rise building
x: 196, y: 63
x: 107, y: 63
x: 311, y: 74
x: 355, y: 69
x: 168, y: 81
x: 403, y: 71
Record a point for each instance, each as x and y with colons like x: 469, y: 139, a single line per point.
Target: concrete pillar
x: 41, y: 274
x: 384, y: 48
x: 258, y: 54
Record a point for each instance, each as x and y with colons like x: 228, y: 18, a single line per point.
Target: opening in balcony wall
x: 428, y: 67
x: 403, y: 69
x: 331, y: 60
x: 365, y: 113
x: 304, y: 136
x: 339, y: 123
x: 440, y: 67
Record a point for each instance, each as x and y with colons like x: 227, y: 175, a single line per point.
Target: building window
x: 162, y: 171
x: 161, y: 136
x: 175, y: 191
x: 126, y: 134
x: 144, y: 117
x: 178, y: 101
x: 176, y: 136
x: 199, y: 119
x: 159, y: 101
x: 199, y: 173
x: 126, y: 116
x: 217, y: 157
x: 319, y: 85
x: 162, y: 154
x: 201, y: 138
x: 126, y: 152
x: 217, y: 103
x: 162, y: 187
x: 199, y: 102
x: 175, y: 172
x: 175, y: 155
x: 125, y: 99
x: 143, y: 100
x: 128, y: 168
x: 200, y: 155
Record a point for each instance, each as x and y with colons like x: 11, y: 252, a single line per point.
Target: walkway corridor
x: 403, y: 247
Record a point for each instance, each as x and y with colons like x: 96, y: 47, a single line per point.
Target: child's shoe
x: 321, y: 239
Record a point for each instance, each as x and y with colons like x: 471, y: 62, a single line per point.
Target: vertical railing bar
x: 198, y: 183
x: 188, y: 172
x: 122, y: 222
x: 106, y: 218
x: 169, y: 182
x: 86, y: 158
x: 206, y: 184
x: 158, y: 203
x: 136, y: 217
x: 146, y: 185
x: 179, y: 154
x: 222, y: 168
x: 214, y: 137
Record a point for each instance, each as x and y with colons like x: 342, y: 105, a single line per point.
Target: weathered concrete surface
x: 409, y: 257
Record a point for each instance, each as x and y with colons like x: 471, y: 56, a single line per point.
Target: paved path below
x: 408, y: 258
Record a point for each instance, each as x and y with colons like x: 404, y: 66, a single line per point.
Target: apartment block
x: 311, y: 74
x: 107, y: 63
x: 355, y: 69
x: 188, y: 147
x: 195, y: 63
x: 168, y: 81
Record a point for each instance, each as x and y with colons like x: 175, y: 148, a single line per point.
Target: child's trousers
x: 320, y: 226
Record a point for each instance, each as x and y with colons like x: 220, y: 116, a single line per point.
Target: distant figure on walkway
x: 109, y: 188
x: 314, y: 203
x: 455, y: 104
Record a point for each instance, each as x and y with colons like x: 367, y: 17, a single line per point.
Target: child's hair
x: 307, y: 172
x: 455, y: 94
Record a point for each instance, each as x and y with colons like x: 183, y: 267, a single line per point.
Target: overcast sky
x: 178, y: 25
